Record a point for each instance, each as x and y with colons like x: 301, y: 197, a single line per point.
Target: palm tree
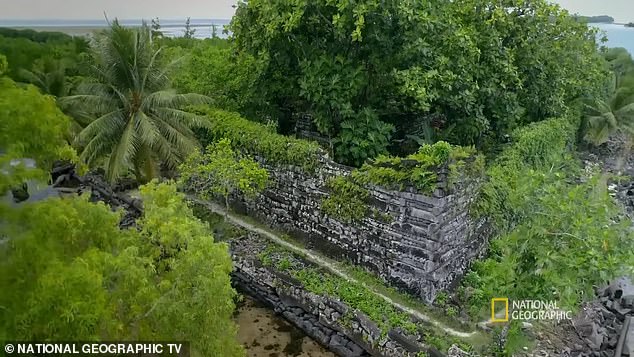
x: 50, y: 77
x: 137, y: 121
x: 616, y: 114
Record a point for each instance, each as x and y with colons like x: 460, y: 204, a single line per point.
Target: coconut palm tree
x: 616, y: 114
x: 49, y: 76
x: 137, y: 121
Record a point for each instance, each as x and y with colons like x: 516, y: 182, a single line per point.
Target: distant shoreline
x: 69, y: 30
x: 203, y: 30
x: 85, y: 27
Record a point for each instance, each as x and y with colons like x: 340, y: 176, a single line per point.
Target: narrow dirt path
x: 324, y: 263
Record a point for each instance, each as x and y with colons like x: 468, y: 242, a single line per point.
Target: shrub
x: 419, y: 170
x: 258, y: 140
x: 540, y: 147
x: 557, y: 238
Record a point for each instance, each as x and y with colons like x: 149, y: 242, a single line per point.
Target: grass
x: 435, y: 336
x: 402, y: 298
x: 361, y: 294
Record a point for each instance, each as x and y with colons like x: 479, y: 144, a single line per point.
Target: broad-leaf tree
x: 214, y: 69
x: 31, y: 128
x: 138, y: 122
x: 466, y: 71
x: 68, y: 272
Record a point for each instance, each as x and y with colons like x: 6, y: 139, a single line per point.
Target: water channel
x: 264, y: 334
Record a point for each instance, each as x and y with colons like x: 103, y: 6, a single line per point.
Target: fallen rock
x: 455, y: 351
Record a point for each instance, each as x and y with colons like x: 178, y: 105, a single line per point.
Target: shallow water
x: 266, y: 335
x: 618, y: 36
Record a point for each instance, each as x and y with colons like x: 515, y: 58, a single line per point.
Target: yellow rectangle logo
x: 499, y: 301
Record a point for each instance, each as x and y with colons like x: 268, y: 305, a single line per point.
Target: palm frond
x: 181, y: 117
x: 180, y: 138
x: 134, y: 117
x: 123, y: 153
x: 170, y: 99
x: 100, y: 146
x: 110, y: 123
x: 147, y: 131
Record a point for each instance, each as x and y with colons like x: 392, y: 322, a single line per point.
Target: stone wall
x: 343, y: 330
x: 305, y: 129
x: 429, y: 242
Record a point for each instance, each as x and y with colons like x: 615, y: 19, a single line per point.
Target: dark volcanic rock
x: 416, y: 242
x: 344, y: 331
x: 66, y: 180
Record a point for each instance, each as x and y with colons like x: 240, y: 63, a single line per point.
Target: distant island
x: 601, y: 19
x: 631, y: 24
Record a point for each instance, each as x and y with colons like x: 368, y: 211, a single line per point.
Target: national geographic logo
x: 526, y: 310
x: 499, y: 304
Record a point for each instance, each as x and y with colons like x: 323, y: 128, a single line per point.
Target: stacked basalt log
x: 607, y: 328
x: 66, y: 180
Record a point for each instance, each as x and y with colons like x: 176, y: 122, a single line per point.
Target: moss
x: 347, y: 200
x: 419, y: 170
x: 443, y: 343
x: 357, y: 297
x: 258, y: 140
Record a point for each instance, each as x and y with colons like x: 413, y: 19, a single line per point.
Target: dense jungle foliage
x: 468, y: 72
x: 397, y: 88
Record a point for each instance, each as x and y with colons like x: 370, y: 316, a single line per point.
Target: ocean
x: 170, y: 27
x: 618, y: 35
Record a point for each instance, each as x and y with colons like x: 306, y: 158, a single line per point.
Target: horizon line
x: 119, y: 18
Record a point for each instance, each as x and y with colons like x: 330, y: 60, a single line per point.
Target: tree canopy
x: 68, y: 272
x: 32, y: 128
x: 464, y: 71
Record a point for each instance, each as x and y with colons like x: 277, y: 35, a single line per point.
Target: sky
x: 123, y: 9
x: 621, y: 10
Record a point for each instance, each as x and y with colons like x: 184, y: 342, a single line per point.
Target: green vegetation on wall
x: 352, y: 294
x: 257, y: 139
x: 220, y: 171
x: 419, y: 170
x: 348, y: 197
x: 358, y: 296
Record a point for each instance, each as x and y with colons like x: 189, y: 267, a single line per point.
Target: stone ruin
x: 606, y: 325
x: 428, y: 243
x: 66, y: 181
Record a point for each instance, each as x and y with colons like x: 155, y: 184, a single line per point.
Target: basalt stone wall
x: 428, y: 242
x: 343, y: 330
x: 305, y: 129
